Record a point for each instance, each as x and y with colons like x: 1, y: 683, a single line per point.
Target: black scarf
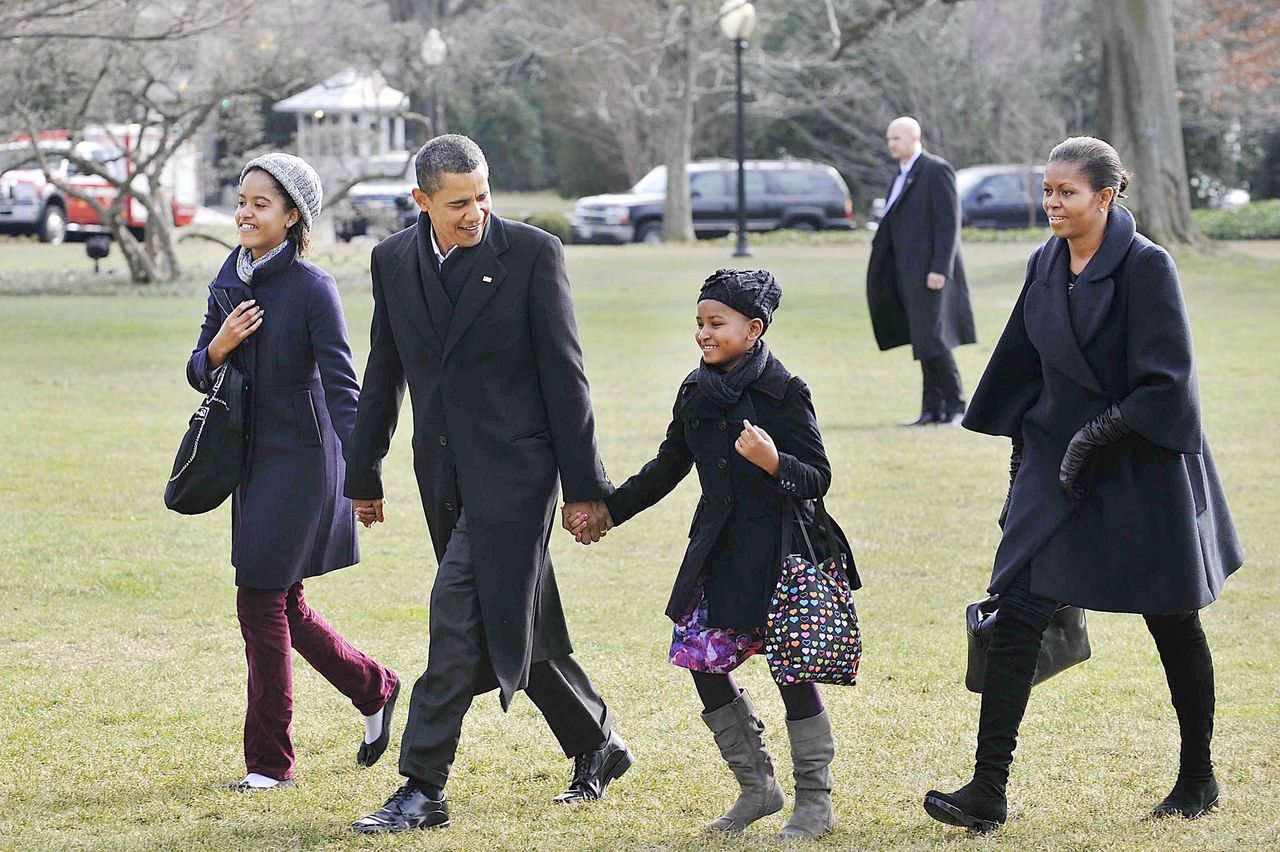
x: 724, y: 389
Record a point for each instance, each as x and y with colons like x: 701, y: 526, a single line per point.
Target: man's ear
x: 421, y: 199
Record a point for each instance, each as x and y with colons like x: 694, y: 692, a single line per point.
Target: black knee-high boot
x: 1188, y: 666
x: 980, y: 805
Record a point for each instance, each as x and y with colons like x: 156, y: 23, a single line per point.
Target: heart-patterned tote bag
x: 812, y: 635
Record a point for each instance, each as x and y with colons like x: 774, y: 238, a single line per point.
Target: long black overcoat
x: 735, y: 539
x: 920, y: 234
x: 289, y: 519
x: 1153, y: 535
x: 501, y: 407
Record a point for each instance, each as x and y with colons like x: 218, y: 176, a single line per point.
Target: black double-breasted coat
x: 1153, y: 534
x: 289, y: 519
x: 501, y: 409
x: 920, y: 234
x: 735, y: 539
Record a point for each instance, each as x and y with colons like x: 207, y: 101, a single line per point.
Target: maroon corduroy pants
x: 272, y: 622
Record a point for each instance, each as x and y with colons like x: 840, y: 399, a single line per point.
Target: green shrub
x: 1259, y: 220
x: 555, y: 224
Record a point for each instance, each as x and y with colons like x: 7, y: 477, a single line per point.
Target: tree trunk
x: 677, y: 211
x: 1140, y: 115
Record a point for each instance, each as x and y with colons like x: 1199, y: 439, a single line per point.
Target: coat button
x: 695, y: 423
x: 728, y: 499
x: 448, y: 507
x: 444, y: 442
x: 721, y: 425
x: 722, y: 463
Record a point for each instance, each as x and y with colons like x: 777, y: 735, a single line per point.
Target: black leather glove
x: 1015, y: 462
x: 1107, y: 428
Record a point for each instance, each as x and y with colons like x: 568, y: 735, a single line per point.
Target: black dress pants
x: 942, y: 391
x: 457, y: 661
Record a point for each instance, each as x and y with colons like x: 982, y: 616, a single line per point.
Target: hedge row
x: 1259, y: 220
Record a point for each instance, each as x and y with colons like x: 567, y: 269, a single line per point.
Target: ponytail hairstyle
x: 1097, y: 161
x: 298, y: 233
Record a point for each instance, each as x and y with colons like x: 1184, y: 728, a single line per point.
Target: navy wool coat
x: 1153, y: 535
x: 501, y: 409
x: 289, y: 519
x: 920, y: 234
x: 735, y: 539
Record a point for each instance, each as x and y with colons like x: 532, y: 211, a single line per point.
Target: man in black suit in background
x: 473, y: 314
x: 916, y: 288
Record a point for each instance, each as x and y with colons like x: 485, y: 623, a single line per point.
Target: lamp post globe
x: 738, y: 22
x: 434, y: 48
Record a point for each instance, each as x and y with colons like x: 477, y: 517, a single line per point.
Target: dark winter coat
x: 920, y: 234
x: 735, y: 540
x: 1153, y: 535
x: 501, y: 408
x: 289, y: 519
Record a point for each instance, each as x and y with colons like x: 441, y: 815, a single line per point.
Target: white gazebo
x: 351, y: 114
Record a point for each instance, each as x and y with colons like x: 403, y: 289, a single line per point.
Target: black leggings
x: 716, y: 690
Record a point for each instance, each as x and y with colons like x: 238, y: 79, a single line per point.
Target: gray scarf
x: 246, y: 265
x: 724, y: 389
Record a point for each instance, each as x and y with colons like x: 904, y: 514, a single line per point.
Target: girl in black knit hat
x: 750, y: 428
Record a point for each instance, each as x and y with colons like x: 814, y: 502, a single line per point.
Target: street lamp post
x: 737, y: 22
x: 434, y: 51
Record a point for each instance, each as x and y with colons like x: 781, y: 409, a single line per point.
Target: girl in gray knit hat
x: 283, y: 328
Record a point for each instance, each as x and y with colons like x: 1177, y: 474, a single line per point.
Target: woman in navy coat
x: 289, y: 520
x: 1114, y: 501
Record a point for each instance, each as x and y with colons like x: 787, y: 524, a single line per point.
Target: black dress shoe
x: 593, y: 770
x: 370, y: 752
x: 407, y: 809
x: 1189, y: 799
x: 966, y: 809
x: 926, y: 418
x: 950, y: 418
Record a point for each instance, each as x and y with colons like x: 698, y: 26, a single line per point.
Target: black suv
x: 998, y: 196
x: 797, y: 194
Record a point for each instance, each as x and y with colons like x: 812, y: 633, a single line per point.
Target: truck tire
x: 53, y: 225
x: 649, y: 231
x: 806, y: 225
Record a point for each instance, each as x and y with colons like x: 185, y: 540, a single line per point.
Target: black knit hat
x: 752, y: 292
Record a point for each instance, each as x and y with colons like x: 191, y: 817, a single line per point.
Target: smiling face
x: 1075, y: 210
x: 459, y: 210
x: 263, y: 216
x: 724, y: 335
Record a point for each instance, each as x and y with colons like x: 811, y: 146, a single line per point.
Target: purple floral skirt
x: 714, y: 650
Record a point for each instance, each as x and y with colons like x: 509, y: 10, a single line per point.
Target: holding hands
x: 587, y: 520
x: 755, y: 445
x: 368, y: 512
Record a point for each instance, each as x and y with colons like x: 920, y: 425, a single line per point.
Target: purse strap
x: 822, y: 519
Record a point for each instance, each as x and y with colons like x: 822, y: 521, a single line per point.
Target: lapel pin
x: 486, y: 279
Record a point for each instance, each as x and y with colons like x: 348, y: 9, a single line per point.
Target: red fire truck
x: 31, y: 203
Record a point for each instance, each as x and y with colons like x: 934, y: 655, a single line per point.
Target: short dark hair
x: 297, y: 233
x: 1097, y: 161
x: 452, y: 153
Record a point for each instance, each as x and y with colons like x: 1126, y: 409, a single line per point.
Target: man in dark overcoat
x: 474, y: 314
x: 916, y: 288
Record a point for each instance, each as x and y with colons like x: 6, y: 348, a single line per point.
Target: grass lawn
x: 122, y: 668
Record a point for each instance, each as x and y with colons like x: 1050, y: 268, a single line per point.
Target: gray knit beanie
x: 297, y: 178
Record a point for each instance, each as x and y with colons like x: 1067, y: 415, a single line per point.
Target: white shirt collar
x: 435, y: 247
x: 906, y: 167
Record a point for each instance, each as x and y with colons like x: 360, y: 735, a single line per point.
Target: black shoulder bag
x: 1065, y: 643
x: 210, y: 460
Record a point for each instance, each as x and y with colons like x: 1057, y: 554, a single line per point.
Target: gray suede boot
x: 739, y: 734
x: 812, y: 750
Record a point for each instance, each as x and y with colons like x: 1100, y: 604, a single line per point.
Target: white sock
x: 259, y: 782
x: 372, y: 727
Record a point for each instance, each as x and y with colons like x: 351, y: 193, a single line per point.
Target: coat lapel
x: 908, y: 183
x: 407, y: 278
x: 438, y: 305
x: 1096, y: 286
x: 486, y: 276
x: 1048, y: 317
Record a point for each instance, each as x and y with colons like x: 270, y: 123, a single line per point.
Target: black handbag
x: 210, y: 460
x: 1065, y: 643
